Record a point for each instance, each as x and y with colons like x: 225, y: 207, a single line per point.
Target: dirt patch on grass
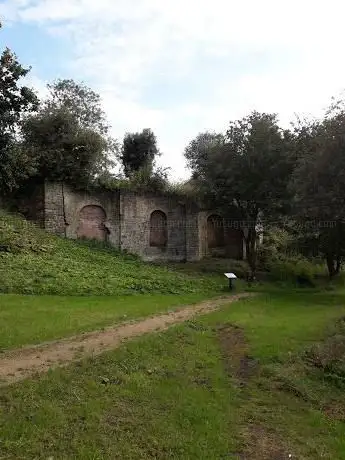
x: 234, y: 348
x: 22, y: 363
x: 259, y: 443
x: 263, y: 445
x: 335, y: 411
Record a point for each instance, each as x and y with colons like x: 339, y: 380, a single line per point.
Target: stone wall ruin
x: 155, y: 227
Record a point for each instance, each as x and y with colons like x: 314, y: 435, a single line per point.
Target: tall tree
x: 139, y: 151
x: 69, y: 135
x: 319, y: 183
x: 250, y: 171
x: 15, y: 101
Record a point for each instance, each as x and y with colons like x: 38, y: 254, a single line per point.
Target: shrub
x: 294, y: 268
x: 214, y: 266
x: 19, y: 236
x: 282, y: 262
x: 329, y: 355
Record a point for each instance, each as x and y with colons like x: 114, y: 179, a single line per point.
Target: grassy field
x: 35, y: 262
x: 26, y: 319
x: 260, y: 379
x: 32, y: 319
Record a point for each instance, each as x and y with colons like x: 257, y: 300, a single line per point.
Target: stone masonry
x: 182, y: 230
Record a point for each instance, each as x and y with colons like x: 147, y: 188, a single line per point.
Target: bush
x: 276, y: 243
x: 329, y: 355
x: 19, y: 236
x: 296, y: 269
x: 214, y: 266
x: 141, y: 181
x: 277, y: 257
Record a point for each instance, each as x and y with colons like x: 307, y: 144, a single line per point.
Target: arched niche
x: 91, y: 223
x: 158, y: 229
x: 215, y: 232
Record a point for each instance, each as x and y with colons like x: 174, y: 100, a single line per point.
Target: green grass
x: 34, y: 262
x: 171, y: 395
x: 32, y: 319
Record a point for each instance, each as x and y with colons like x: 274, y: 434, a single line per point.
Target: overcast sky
x: 180, y: 67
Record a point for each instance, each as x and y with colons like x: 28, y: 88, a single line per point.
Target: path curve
x: 22, y: 363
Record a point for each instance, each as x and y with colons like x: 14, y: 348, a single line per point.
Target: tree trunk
x: 330, y: 265
x: 339, y: 242
x: 251, y: 253
x: 338, y: 265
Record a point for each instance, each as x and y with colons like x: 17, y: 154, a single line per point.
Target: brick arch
x: 158, y: 229
x: 91, y: 221
x: 215, y: 231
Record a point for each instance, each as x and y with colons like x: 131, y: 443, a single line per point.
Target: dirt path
x: 22, y: 363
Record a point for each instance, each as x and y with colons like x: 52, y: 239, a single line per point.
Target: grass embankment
x: 35, y: 262
x: 248, y: 382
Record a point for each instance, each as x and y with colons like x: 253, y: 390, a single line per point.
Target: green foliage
x: 141, y: 181
x: 68, y: 135
x: 34, y: 262
x: 250, y: 167
x: 15, y: 101
x: 139, y: 151
x: 214, y: 266
x: 188, y: 189
x: 294, y: 268
x: 247, y: 173
x: 318, y: 182
x: 64, y: 150
x: 146, y: 180
x: 318, y: 178
x: 198, y: 150
x: 278, y: 256
x: 328, y: 356
x: 79, y: 100
x: 277, y: 242
x: 16, y: 165
x: 18, y: 236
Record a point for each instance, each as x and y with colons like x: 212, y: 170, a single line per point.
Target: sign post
x: 231, y: 277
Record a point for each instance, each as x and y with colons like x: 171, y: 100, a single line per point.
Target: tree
x: 69, y: 136
x: 249, y: 173
x: 79, y: 100
x: 139, y: 151
x: 148, y: 180
x: 319, y: 184
x: 15, y: 101
x: 196, y: 152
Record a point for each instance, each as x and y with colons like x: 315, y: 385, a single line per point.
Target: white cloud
x: 120, y: 46
x: 38, y: 85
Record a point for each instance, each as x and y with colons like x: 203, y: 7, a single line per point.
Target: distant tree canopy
x: 139, y: 151
x: 15, y: 101
x: 68, y: 135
